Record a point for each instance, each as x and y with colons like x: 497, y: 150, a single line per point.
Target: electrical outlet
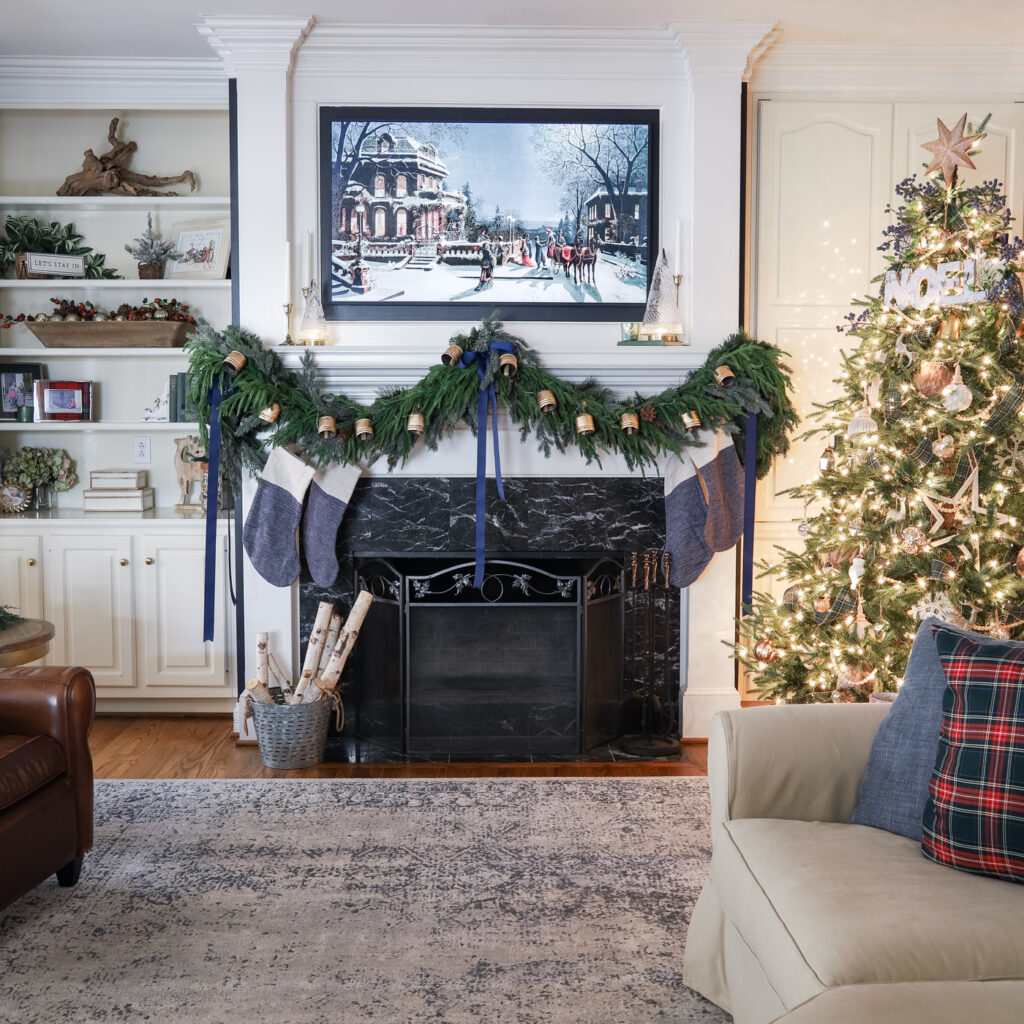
x: 140, y: 449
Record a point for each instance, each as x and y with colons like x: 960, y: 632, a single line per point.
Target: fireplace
x: 530, y: 664
x: 535, y: 686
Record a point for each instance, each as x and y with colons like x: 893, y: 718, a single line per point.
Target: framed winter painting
x: 449, y: 213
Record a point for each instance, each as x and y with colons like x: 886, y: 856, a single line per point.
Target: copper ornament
x: 932, y: 378
x: 949, y: 329
x: 827, y: 460
x: 1018, y: 564
x: 691, y: 420
x: 451, y: 355
x: 822, y: 604
x: 326, y: 427
x: 235, y: 360
x: 508, y: 364
x: 546, y: 401
x: 629, y: 422
x: 765, y: 652
x: 724, y: 376
x: 585, y: 424
x: 364, y: 429
x: 270, y: 414
x: 416, y: 423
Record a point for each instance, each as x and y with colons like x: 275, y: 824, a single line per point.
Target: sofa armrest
x: 60, y: 703
x: 799, y: 761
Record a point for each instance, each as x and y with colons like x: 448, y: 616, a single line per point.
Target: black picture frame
x: 395, y: 308
x: 9, y: 371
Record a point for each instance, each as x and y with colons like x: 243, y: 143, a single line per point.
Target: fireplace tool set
x: 654, y: 740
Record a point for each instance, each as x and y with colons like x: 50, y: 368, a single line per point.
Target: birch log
x: 258, y: 691
x: 328, y: 648
x: 316, y: 643
x: 345, y: 642
x: 277, y: 674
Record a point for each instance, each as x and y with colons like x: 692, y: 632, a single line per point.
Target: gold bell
x: 546, y: 401
x: 326, y: 427
x: 724, y: 376
x: 235, y: 360
x: 690, y: 420
x: 270, y: 414
x: 364, y: 430
x: 451, y: 355
x: 629, y: 422
x: 508, y: 364
x: 585, y: 424
x: 949, y: 329
x: 416, y: 424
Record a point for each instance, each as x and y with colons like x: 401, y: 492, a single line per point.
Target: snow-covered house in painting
x: 396, y: 190
x: 616, y: 218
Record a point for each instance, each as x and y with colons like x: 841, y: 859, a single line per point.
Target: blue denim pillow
x: 895, y: 786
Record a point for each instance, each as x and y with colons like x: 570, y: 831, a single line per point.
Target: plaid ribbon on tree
x: 974, y: 817
x: 844, y: 603
x: 923, y: 453
x: 892, y: 404
x: 966, y: 465
x: 1008, y: 405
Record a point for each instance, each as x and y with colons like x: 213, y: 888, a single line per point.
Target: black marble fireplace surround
x: 592, y: 516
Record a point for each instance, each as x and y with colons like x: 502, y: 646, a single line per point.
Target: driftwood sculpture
x: 109, y: 173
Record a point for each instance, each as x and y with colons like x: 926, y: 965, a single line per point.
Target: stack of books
x: 117, y: 490
x: 178, y: 410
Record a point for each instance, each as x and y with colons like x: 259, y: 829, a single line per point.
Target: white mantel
x: 691, y: 72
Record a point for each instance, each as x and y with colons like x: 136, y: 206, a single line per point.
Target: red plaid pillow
x: 974, y: 818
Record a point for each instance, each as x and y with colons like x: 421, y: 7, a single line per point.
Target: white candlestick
x: 287, y: 271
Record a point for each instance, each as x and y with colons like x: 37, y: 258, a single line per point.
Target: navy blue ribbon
x: 487, y: 400
x: 213, y: 458
x: 749, y: 491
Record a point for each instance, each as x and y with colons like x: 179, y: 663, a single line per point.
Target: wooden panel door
x: 21, y: 574
x: 823, y: 181
x: 174, y: 661
x: 89, y: 599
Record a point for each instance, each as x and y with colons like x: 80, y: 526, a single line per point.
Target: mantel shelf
x: 90, y: 353
x: 163, y: 284
x: 113, y: 203
x: 97, y: 427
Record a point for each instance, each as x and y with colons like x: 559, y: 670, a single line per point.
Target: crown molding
x: 254, y: 43
x: 722, y: 48
x: 88, y: 82
x: 876, y: 70
x: 485, y: 52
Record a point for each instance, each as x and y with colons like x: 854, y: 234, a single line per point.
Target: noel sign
x: 948, y: 284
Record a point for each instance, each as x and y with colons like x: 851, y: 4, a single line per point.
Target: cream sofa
x: 808, y: 919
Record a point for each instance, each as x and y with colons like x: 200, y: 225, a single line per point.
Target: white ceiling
x: 127, y: 28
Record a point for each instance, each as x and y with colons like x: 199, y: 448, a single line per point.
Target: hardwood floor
x: 155, y: 747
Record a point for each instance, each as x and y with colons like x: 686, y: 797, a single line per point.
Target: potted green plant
x: 151, y: 252
x: 26, y: 234
x: 41, y: 468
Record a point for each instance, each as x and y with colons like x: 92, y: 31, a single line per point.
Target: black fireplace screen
x: 531, y: 664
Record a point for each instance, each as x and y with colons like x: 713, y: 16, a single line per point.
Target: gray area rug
x: 534, y: 901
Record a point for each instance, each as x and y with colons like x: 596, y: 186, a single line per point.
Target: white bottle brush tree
x: 918, y: 505
x: 150, y: 248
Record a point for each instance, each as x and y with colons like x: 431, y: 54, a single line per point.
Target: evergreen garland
x: 447, y: 396
x: 8, y: 617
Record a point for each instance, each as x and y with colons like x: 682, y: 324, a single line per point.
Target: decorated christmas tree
x: 918, y: 504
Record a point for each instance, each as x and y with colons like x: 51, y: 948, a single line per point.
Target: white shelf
x: 98, y: 427
x: 90, y: 353
x: 116, y: 284
x: 166, y: 516
x: 114, y: 203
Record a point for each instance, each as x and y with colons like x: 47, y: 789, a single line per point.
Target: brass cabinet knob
x: 149, y: 561
x: 124, y: 561
x: 30, y: 561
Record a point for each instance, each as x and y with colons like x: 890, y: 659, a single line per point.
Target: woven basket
x: 21, y: 269
x: 151, y: 271
x: 292, y: 735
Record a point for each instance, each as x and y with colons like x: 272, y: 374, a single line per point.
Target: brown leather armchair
x: 45, y: 776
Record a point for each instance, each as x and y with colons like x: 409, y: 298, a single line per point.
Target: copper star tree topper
x: 950, y: 149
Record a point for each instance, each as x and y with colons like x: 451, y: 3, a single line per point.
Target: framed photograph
x: 442, y: 213
x: 204, y: 247
x: 63, y: 400
x: 17, y: 382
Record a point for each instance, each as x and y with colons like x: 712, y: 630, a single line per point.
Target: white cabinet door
x: 174, y: 661
x: 89, y: 599
x: 21, y: 574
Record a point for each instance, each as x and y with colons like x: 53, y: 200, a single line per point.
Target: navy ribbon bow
x: 213, y: 458
x: 487, y: 401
